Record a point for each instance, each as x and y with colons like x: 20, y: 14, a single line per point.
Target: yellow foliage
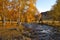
x: 15, y: 10
x: 1, y: 6
x: 30, y: 18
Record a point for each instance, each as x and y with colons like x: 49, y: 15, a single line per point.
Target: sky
x: 44, y: 5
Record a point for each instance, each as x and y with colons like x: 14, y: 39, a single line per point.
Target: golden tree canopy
x: 24, y: 10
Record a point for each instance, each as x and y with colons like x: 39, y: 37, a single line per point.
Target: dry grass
x: 12, y: 31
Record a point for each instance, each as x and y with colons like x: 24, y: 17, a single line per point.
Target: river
x: 33, y: 31
x: 42, y: 32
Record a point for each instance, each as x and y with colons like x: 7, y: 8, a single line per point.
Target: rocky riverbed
x: 43, y: 32
x: 32, y: 31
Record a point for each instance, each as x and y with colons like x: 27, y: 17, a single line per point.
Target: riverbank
x: 55, y: 24
x: 51, y: 23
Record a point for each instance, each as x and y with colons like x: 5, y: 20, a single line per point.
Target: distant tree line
x: 55, y: 11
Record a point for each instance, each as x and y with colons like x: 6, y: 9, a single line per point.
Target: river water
x: 42, y: 32
x: 33, y: 31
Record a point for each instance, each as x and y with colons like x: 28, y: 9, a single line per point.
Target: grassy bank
x: 52, y: 23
